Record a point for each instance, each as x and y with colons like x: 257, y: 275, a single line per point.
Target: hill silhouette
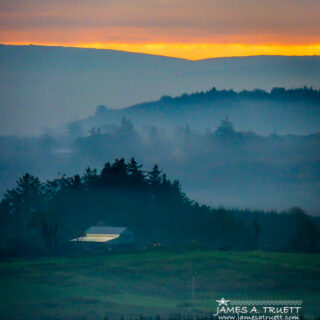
x: 291, y: 111
x: 39, y: 84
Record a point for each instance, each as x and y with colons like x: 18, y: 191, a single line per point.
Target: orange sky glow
x: 196, y: 51
x: 190, y: 29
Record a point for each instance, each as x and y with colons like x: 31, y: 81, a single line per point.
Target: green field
x: 151, y: 282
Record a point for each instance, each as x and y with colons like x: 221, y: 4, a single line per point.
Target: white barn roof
x: 103, y: 234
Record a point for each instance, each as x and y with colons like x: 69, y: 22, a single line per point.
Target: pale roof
x: 101, y: 234
x: 97, y: 238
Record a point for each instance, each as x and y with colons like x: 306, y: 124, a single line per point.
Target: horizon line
x: 147, y: 49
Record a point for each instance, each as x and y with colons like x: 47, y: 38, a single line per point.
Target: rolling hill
x: 46, y: 87
x: 153, y: 282
x: 293, y: 111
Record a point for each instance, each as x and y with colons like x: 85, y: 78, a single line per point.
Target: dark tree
x: 305, y: 234
x: 135, y: 172
x: 49, y: 231
x: 26, y: 197
x: 256, y: 228
x: 154, y: 176
x: 225, y: 128
x: 115, y: 174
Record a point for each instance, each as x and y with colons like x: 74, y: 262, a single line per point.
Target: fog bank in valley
x: 217, y: 166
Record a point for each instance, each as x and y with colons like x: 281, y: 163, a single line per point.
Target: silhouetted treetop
x: 149, y: 203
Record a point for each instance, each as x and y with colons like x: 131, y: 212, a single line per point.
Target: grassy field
x: 151, y: 282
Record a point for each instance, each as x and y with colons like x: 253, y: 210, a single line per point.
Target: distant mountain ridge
x: 45, y: 87
x: 292, y: 111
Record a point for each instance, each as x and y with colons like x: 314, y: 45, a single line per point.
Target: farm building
x: 106, y: 236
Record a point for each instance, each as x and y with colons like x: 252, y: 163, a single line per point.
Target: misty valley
x: 208, y: 186
x: 195, y: 139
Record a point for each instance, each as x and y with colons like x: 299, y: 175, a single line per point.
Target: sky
x: 191, y: 29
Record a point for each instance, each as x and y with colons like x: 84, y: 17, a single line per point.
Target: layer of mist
x: 217, y: 166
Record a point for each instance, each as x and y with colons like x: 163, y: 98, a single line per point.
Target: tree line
x: 277, y: 93
x: 43, y: 216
